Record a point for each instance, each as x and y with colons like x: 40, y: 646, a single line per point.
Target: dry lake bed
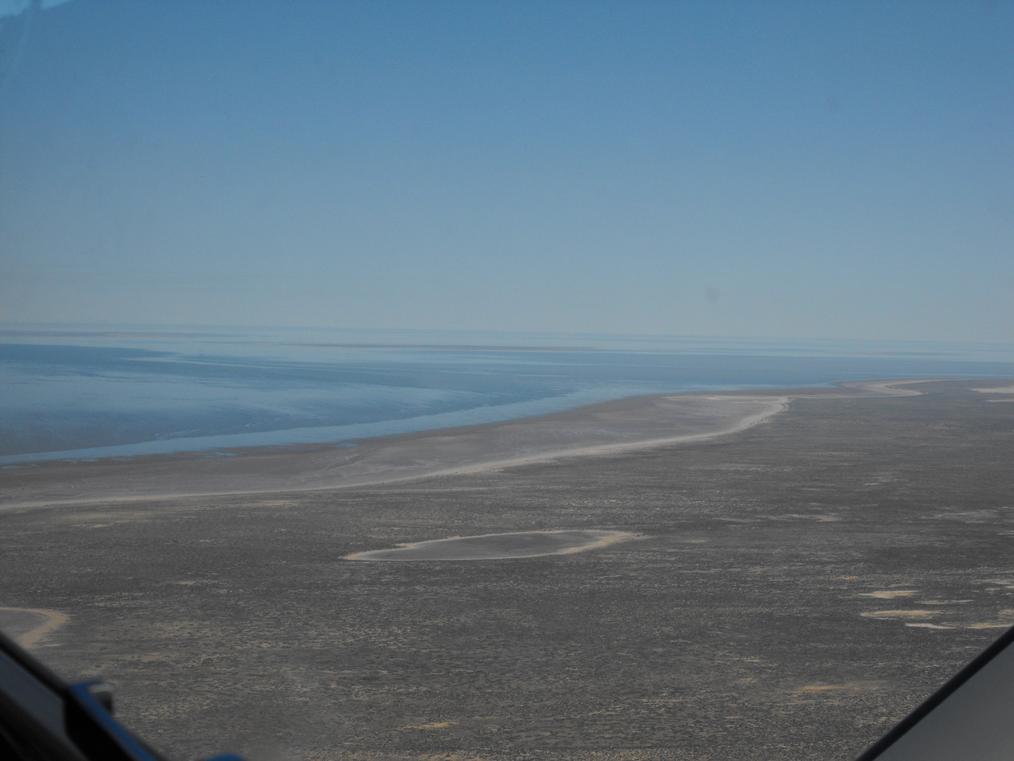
x: 787, y: 591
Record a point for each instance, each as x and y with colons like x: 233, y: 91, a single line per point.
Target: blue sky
x: 840, y: 170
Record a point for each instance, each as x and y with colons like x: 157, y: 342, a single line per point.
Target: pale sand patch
x: 889, y: 594
x: 92, y: 518
x: 511, y: 545
x: 430, y: 726
x: 899, y: 614
x: 1002, y: 584
x: 890, y: 388
x: 841, y: 688
x: 984, y: 515
x: 928, y: 626
x: 996, y: 390
x: 815, y: 517
x: 989, y: 625
x: 29, y: 626
x: 942, y: 602
x: 1004, y: 620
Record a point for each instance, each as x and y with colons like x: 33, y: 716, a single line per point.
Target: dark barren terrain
x: 794, y: 590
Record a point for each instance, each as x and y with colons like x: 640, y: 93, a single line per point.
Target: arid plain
x: 786, y: 589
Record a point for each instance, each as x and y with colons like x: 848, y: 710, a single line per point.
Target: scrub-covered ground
x: 795, y: 589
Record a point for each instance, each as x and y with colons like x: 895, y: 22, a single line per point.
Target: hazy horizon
x: 632, y: 340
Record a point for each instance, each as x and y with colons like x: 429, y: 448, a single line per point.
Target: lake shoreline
x: 606, y: 428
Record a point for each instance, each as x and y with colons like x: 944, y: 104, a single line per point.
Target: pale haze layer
x: 738, y: 169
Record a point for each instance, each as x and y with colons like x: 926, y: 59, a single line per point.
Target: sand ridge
x: 771, y: 406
